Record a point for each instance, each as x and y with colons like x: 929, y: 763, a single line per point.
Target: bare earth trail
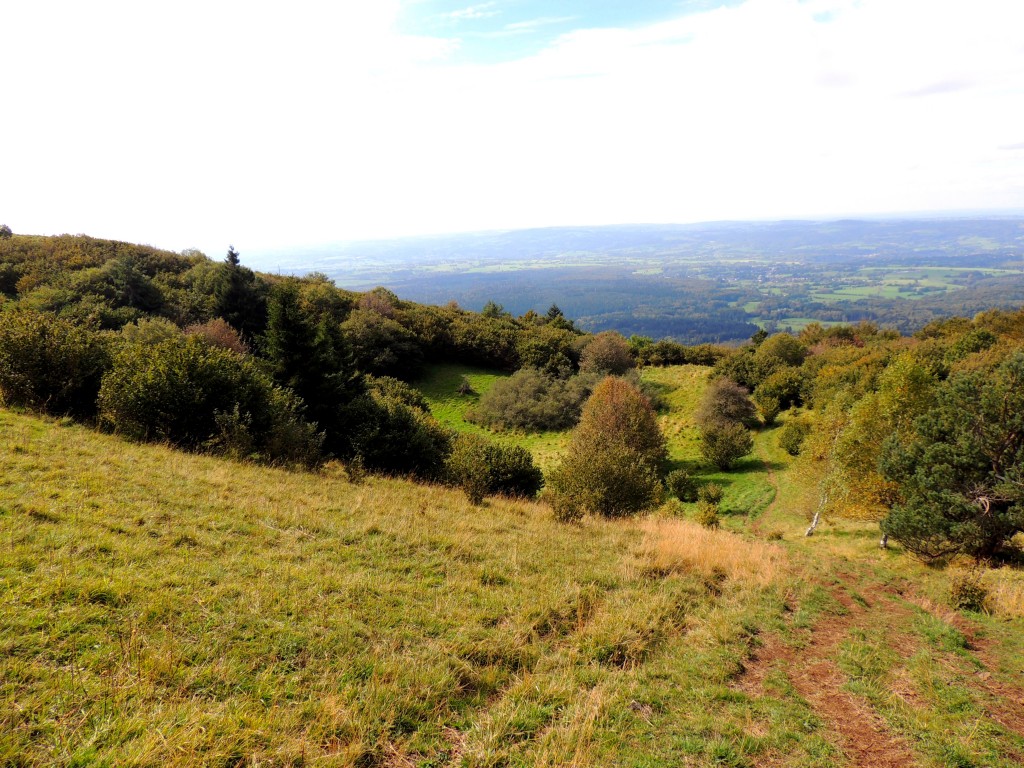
x: 807, y: 660
x: 858, y: 732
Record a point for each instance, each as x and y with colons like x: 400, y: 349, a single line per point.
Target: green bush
x: 481, y: 468
x: 960, y: 473
x: 388, y: 386
x: 612, y: 465
x: 792, y: 436
x: 49, y: 364
x: 967, y: 592
x: 706, y: 514
x: 382, y: 346
x: 723, y: 444
x: 394, y: 438
x: 534, y: 401
x: 710, y: 493
x: 681, y: 485
x: 769, y: 408
x: 190, y: 394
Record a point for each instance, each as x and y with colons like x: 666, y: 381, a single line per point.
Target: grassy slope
x: 159, y: 608
x: 165, y: 608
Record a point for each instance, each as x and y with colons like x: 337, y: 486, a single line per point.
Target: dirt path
x: 857, y: 731
x: 763, y: 516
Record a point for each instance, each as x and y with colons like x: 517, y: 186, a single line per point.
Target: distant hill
x: 701, y: 282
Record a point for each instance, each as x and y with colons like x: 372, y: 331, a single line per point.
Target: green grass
x: 440, y: 385
x: 163, y: 608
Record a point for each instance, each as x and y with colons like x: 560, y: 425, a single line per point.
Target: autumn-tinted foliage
x: 613, y: 462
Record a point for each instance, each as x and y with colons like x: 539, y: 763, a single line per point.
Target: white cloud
x: 531, y: 24
x: 204, y: 124
x: 481, y: 11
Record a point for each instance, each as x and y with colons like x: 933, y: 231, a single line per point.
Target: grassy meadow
x: 161, y: 608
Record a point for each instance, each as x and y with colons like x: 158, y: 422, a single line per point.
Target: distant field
x: 705, y: 282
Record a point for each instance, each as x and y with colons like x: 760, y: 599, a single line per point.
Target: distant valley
x: 697, y: 283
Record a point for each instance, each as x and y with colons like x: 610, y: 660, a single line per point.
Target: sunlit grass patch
x: 683, y: 546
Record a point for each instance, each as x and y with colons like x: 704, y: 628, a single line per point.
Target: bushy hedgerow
x: 192, y: 395
x: 646, y: 351
x: 50, y: 364
x: 534, y: 401
x: 482, y: 467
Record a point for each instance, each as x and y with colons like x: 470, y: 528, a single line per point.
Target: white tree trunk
x: 817, y: 515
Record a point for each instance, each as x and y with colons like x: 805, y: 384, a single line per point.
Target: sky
x: 195, y: 124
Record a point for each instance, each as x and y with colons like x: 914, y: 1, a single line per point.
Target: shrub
x: 219, y: 333
x: 382, y: 346
x: 769, y: 407
x: 792, y: 436
x: 392, y: 437
x: 481, y: 467
x: 724, y: 444
x: 607, y: 353
x: 784, y: 385
x: 467, y: 467
x: 534, y: 401
x: 196, y: 396
x: 726, y: 402
x: 959, y: 475
x: 710, y: 493
x: 387, y: 386
x: 967, y: 592
x: 149, y: 330
x: 681, y: 485
x: 612, y: 464
x: 548, y: 348
x: 50, y: 364
x: 776, y: 352
x: 706, y: 514
x: 611, y: 484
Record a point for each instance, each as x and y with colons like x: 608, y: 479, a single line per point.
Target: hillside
x: 166, y: 608
x: 249, y: 520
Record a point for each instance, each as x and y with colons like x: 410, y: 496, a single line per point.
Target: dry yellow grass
x: 1005, y: 592
x: 682, y: 546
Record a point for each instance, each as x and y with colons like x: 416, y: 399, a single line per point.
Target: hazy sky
x: 198, y: 124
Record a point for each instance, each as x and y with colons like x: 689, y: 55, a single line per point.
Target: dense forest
x: 922, y: 433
